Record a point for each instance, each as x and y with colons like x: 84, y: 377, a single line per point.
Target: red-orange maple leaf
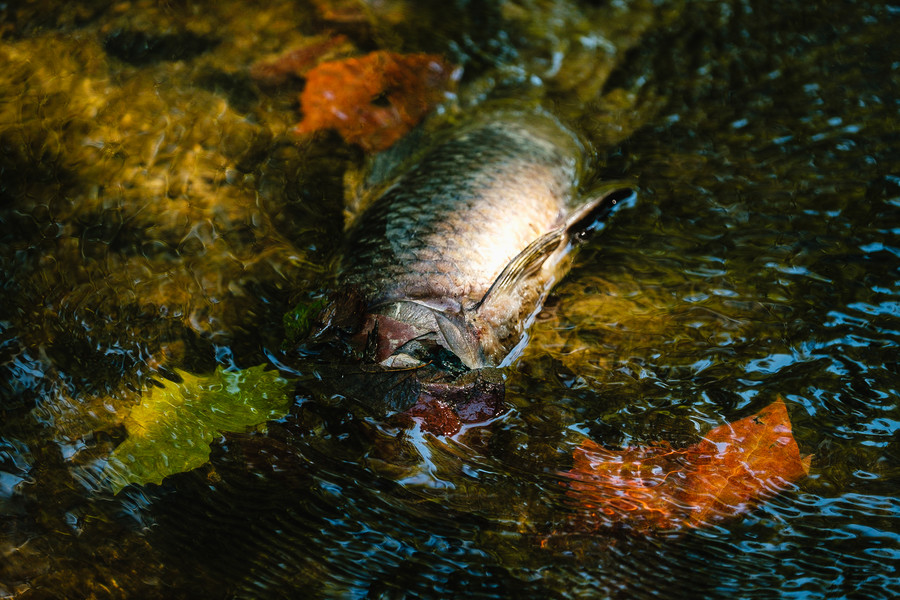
x: 376, y: 99
x: 298, y: 61
x: 658, y: 488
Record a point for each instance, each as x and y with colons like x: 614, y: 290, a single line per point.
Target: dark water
x: 157, y: 215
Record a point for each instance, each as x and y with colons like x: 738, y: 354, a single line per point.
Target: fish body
x: 459, y: 251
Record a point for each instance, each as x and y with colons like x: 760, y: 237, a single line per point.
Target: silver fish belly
x: 461, y: 249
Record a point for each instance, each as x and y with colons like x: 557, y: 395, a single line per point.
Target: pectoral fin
x: 459, y: 340
x: 527, y: 262
x: 582, y: 221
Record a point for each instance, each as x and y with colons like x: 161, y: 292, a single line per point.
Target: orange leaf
x: 343, y: 11
x: 299, y: 61
x: 376, y: 99
x: 657, y: 488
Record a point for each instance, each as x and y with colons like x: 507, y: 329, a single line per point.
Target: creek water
x: 157, y: 214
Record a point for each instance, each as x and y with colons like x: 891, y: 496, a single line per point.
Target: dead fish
x: 457, y: 254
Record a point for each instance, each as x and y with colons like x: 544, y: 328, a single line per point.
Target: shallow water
x: 157, y: 215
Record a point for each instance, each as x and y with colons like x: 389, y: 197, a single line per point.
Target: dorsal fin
x: 525, y: 263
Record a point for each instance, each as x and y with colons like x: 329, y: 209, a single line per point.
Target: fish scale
x: 426, y: 235
x: 460, y: 250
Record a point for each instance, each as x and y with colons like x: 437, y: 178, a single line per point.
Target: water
x: 156, y: 215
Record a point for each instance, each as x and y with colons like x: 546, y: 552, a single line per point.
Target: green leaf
x: 170, y: 431
x: 299, y: 322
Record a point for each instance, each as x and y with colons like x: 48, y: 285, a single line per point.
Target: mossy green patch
x: 170, y: 431
x: 298, y: 322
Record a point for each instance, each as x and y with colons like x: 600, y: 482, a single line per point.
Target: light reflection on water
x: 760, y: 260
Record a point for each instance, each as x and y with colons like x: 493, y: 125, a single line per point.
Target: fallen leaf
x: 300, y: 322
x: 359, y: 15
x: 343, y: 11
x: 171, y: 429
x: 297, y: 62
x: 436, y: 416
x: 376, y: 99
x: 657, y: 488
x: 444, y: 405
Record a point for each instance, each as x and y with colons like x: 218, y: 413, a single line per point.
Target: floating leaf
x: 171, y: 429
x: 376, y: 99
x: 296, y: 62
x: 344, y: 11
x: 444, y: 405
x: 658, y: 488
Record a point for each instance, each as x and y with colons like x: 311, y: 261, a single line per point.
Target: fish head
x: 411, y: 333
x: 410, y: 361
x: 427, y: 366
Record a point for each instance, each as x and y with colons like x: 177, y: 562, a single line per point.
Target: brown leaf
x: 376, y: 99
x: 361, y: 14
x: 297, y: 62
x: 435, y: 415
x: 446, y: 403
x: 657, y: 488
x: 343, y: 11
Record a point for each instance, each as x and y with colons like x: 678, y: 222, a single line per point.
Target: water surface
x: 157, y: 214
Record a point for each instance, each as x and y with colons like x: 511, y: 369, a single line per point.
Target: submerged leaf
x: 171, y: 430
x: 299, y: 322
x: 658, y: 488
x: 298, y: 61
x: 376, y: 99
